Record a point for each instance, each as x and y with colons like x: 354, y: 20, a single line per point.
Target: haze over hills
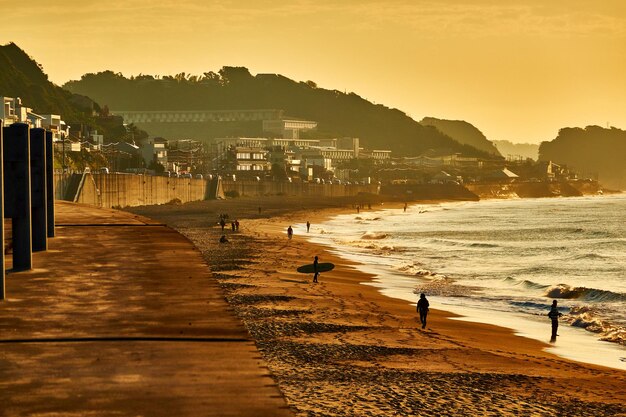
x: 337, y: 113
x: 592, y: 151
x: 462, y: 132
x: 525, y: 150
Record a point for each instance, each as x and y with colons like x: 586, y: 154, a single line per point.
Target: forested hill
x: 590, y: 151
x: 462, y: 132
x: 22, y: 77
x: 524, y: 150
x: 338, y: 113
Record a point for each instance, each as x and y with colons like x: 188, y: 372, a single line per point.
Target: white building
x: 54, y: 124
x: 7, y: 112
x: 13, y: 111
x: 288, y: 128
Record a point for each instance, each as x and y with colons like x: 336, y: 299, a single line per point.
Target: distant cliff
x: 593, y: 152
x: 337, y: 113
x: 525, y: 150
x: 463, y: 132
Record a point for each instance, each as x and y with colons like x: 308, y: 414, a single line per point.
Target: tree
x: 278, y: 171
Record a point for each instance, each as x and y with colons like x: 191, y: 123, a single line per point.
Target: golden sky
x: 518, y: 70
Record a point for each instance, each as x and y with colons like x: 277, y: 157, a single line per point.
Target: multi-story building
x: 288, y: 128
x: 292, y: 153
x: 54, y: 124
x: 7, y: 112
x: 13, y: 111
x: 155, y: 151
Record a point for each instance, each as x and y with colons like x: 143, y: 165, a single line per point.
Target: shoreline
x: 576, y: 343
x: 308, y: 333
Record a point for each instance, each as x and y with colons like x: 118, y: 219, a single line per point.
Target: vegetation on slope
x: 463, y: 132
x: 591, y: 151
x: 338, y: 113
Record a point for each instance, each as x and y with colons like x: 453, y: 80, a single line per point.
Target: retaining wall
x: 124, y: 190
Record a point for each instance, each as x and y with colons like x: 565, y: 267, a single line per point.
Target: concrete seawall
x: 131, y: 190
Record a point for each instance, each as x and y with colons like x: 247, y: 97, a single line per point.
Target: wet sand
x: 340, y: 348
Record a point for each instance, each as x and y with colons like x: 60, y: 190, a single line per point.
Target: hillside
x: 23, y: 77
x: 592, y: 151
x: 463, y: 132
x: 338, y: 113
x: 525, y: 150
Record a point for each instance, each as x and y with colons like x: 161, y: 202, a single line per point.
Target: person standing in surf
x: 554, y: 315
x: 289, y: 232
x: 422, y: 309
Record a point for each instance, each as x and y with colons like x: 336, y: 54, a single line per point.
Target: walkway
x: 121, y: 317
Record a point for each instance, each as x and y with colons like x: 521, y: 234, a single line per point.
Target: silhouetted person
x: 308, y: 226
x: 223, y: 239
x: 422, y: 309
x: 315, y: 269
x: 358, y: 209
x: 405, y: 207
x: 232, y: 225
x: 223, y: 224
x: 554, y: 315
x: 289, y: 232
x: 237, y: 225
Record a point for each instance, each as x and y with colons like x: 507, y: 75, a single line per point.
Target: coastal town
x: 262, y: 165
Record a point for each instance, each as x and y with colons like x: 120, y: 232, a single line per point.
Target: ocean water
x: 503, y: 262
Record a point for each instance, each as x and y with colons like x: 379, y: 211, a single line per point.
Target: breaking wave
x: 587, y: 318
x: 375, y: 236
x: 582, y: 293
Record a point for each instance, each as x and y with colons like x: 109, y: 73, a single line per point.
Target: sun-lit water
x: 502, y: 262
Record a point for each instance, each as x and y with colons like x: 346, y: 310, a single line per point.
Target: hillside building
x: 288, y: 128
x: 293, y: 154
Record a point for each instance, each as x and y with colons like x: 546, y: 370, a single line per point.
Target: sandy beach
x: 340, y: 348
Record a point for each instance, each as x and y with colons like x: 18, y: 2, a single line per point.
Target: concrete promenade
x: 120, y: 317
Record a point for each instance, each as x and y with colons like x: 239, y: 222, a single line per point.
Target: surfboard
x: 321, y: 267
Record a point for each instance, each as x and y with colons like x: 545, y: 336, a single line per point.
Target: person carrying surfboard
x: 316, y: 269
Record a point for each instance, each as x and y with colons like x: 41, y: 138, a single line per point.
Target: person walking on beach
x: 316, y: 269
x: 308, y: 226
x: 422, y: 309
x: 222, y: 223
x: 554, y: 315
x: 289, y: 232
